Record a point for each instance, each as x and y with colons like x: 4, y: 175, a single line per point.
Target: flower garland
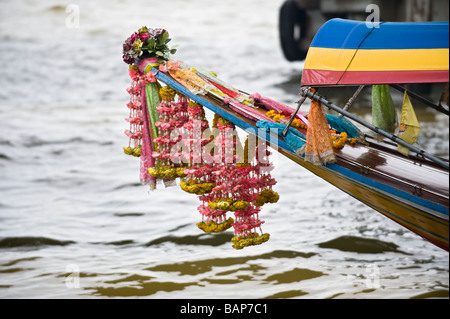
x: 172, y: 117
x: 144, y: 49
x: 196, y: 187
x: 282, y: 118
x: 147, y: 43
x: 228, y: 204
x: 195, y: 140
x: 251, y: 239
x: 213, y: 227
x: 242, y: 185
x: 135, y: 105
x: 213, y: 219
x: 340, y: 139
x: 266, y: 196
x: 135, y: 116
x: 176, y: 134
x: 224, y: 186
x: 247, y: 221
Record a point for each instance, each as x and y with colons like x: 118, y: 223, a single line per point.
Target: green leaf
x: 163, y: 37
x: 151, y: 44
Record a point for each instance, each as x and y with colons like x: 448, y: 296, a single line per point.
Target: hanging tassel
x: 384, y: 115
x: 319, y: 144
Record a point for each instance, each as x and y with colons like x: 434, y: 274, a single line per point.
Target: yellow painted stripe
x: 377, y: 60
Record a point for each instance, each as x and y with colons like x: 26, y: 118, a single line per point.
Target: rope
x: 354, y: 55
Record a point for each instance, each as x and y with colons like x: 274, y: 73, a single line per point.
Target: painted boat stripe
x: 377, y: 60
x: 404, y: 221
x: 348, y: 34
x: 390, y: 190
x: 405, y: 204
x: 324, y: 77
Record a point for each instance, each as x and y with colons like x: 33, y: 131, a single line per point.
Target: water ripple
x: 13, y: 242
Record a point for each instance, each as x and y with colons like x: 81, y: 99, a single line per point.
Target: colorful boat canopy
x: 346, y: 52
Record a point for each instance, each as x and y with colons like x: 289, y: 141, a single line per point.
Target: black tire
x: 292, y: 27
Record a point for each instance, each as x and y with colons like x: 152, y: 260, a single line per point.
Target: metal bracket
x: 365, y: 169
x: 417, y: 190
x: 303, y: 93
x: 353, y: 98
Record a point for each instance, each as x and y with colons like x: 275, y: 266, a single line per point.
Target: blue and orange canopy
x: 346, y: 52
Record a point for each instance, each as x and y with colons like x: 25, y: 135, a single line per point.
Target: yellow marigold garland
x: 194, y: 187
x: 212, y: 227
x: 339, y: 139
x: 134, y: 151
x: 223, y: 121
x: 228, y: 204
x: 253, y: 239
x: 167, y: 172
x: 215, y: 120
x: 278, y: 117
x: 267, y: 196
x: 167, y: 93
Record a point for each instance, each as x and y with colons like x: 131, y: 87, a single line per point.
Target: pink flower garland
x: 135, y: 116
x: 234, y: 188
x: 173, y: 116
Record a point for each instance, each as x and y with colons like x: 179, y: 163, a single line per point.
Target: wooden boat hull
x: 412, y: 192
x: 417, y: 218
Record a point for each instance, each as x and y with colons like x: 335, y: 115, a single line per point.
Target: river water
x: 76, y: 223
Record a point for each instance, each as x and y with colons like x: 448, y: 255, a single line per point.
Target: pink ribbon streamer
x: 254, y: 115
x: 147, y: 160
x: 276, y: 106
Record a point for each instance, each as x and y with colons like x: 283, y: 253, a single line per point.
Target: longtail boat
x: 410, y: 187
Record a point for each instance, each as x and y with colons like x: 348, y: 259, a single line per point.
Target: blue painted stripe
x: 348, y: 34
x: 389, y: 190
x: 396, y: 202
x: 405, y: 222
